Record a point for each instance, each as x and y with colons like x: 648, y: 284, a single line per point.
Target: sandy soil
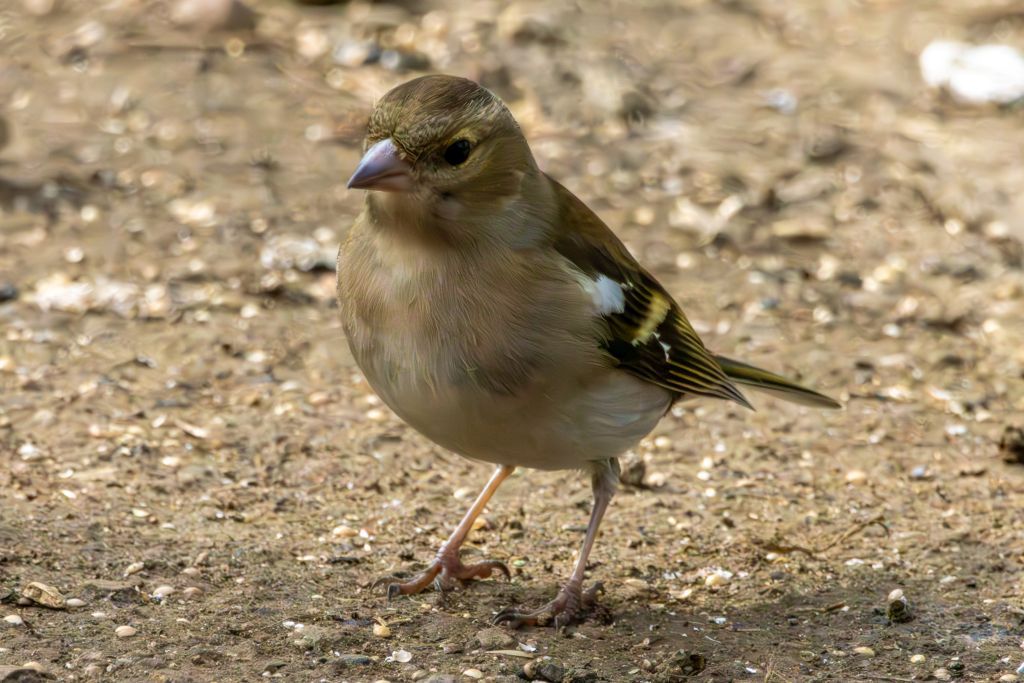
x: 187, y: 449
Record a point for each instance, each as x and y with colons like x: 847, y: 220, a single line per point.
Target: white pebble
x: 717, y: 578
x: 974, y: 74
x: 401, y: 656
x: 125, y: 631
x: 162, y: 592
x: 134, y: 568
x: 473, y: 673
x: 856, y: 477
x: 917, y: 659
x: 13, y: 620
x: 75, y: 602
x: 864, y: 651
x: 344, y: 531
x: 381, y: 631
x: 191, y: 592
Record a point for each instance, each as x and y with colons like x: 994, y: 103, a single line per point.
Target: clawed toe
x: 443, y: 575
x: 571, y: 605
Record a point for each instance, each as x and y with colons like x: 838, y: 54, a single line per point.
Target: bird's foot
x: 570, y: 605
x: 444, y: 573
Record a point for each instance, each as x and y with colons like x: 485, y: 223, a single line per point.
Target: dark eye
x: 457, y: 152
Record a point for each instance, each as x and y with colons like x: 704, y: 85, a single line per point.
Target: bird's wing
x: 647, y: 333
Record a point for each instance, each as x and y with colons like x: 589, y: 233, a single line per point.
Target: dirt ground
x: 187, y: 449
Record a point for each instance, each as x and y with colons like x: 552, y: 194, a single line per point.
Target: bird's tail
x: 762, y: 380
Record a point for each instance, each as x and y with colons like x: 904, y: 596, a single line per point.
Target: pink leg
x: 572, y: 602
x: 447, y: 567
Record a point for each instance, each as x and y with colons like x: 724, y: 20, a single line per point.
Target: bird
x: 500, y: 317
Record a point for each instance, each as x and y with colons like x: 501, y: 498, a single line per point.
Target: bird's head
x: 443, y: 154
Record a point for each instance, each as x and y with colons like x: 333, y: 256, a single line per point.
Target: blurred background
x: 190, y: 460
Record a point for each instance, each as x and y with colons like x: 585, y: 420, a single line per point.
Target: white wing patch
x: 608, y: 295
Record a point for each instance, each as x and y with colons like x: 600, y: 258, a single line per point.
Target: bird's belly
x: 549, y: 425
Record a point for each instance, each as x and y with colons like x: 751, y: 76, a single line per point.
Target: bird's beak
x: 381, y: 168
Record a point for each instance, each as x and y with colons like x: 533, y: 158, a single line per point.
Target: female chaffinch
x: 500, y: 317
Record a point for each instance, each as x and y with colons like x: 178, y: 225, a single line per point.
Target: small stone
x: 191, y: 592
x: 1008, y: 678
x: 580, y: 676
x: 917, y: 659
x: 473, y: 673
x: 14, y: 620
x: 856, y: 477
x: 544, y: 669
x: 401, y: 656
x: 134, y: 568
x: 125, y: 631
x: 75, y: 602
x: 381, y: 630
x: 346, y: 661
x: 942, y: 675
x: 864, y: 651
x: 344, y: 531
x: 717, y: 578
x: 8, y: 292
x: 898, y: 607
x: 42, y: 594
x: 161, y: 592
x: 494, y: 639
x: 1011, y: 444
x: 30, y: 672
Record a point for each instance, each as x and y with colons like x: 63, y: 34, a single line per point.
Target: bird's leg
x: 447, y: 566
x: 572, y: 602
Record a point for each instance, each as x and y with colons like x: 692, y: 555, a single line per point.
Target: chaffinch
x: 500, y: 317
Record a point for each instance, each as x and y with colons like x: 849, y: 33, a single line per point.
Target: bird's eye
x: 457, y: 152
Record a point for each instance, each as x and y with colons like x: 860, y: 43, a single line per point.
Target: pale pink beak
x: 381, y: 168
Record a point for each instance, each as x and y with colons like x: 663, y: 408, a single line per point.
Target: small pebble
x: 45, y: 595
x: 473, y: 673
x: 917, y: 659
x: 75, y: 602
x: 856, y: 477
x: 942, y: 675
x: 125, y: 631
x: 544, y: 669
x: 14, y: 620
x: 1008, y: 678
x: 191, y: 592
x: 401, y: 656
x: 344, y: 531
x: 864, y: 651
x: 495, y: 639
x: 898, y: 607
x: 717, y: 578
x: 134, y: 568
x: 162, y: 592
x: 381, y: 630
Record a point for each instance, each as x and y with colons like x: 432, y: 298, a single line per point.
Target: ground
x: 178, y: 409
